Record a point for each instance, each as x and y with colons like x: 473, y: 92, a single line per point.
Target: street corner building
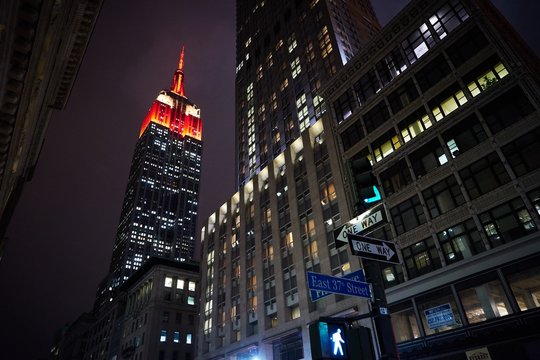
x: 443, y: 102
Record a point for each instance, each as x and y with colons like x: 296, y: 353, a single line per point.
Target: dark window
x: 418, y: 43
x: 407, y: 215
x: 396, y: 178
x: 344, y: 106
x: 352, y: 135
x: 367, y: 86
x: 467, y: 46
x: 432, y: 73
x: 404, y: 95
x: 507, y: 109
x: 421, y: 258
x: 460, y: 241
x: 523, y: 154
x: 427, y: 158
x: 507, y: 222
x: 376, y: 116
x: 484, y: 175
x: 395, y: 62
x: 443, y: 196
x: 464, y: 136
x: 391, y: 274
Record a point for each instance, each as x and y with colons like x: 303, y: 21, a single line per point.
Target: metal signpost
x: 356, y: 276
x: 338, y: 285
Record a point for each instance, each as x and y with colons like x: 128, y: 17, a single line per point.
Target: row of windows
x: 176, y: 338
x: 501, y: 224
x: 180, y: 283
x: 480, y: 299
x: 393, y: 64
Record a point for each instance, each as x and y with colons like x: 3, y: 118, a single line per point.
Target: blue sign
x: 337, y: 285
x: 356, y: 276
x: 439, y: 316
x: 333, y: 340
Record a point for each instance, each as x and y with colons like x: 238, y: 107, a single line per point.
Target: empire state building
x: 159, y: 212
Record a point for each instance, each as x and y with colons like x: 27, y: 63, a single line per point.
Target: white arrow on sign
x: 365, y: 247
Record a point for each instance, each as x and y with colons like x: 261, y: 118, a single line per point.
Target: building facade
x: 154, y: 316
x: 446, y: 107
x: 159, y: 213
x: 281, y: 69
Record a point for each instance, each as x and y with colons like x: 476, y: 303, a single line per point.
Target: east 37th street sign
x: 360, y: 224
x: 357, y: 275
x: 373, y: 249
x: 337, y: 285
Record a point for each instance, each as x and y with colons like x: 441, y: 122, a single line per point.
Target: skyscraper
x: 285, y: 51
x: 159, y: 212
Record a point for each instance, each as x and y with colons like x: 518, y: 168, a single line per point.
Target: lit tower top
x: 173, y: 110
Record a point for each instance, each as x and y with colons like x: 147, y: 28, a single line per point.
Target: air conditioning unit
x: 236, y: 324
x: 292, y: 300
x: 221, y: 331
x: 271, y: 309
x: 252, y: 316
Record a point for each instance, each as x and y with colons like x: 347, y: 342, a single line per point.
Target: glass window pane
x: 526, y: 288
x: 438, y: 312
x: 484, y: 301
x: 405, y: 325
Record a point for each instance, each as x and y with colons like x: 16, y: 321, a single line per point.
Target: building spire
x: 177, y: 85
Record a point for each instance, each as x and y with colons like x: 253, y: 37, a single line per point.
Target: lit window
x: 180, y: 284
x: 168, y: 281
x: 188, y: 338
x: 191, y: 300
x: 191, y: 286
x: 176, y: 337
x: 163, y: 336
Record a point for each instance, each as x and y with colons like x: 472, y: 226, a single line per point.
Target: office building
x: 159, y: 212
x: 447, y: 110
x: 285, y: 51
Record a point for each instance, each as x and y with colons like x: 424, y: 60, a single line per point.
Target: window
x: 448, y: 17
x: 191, y: 300
x: 395, y: 63
x: 176, y: 337
x: 433, y: 73
x: 295, y: 312
x: 367, y: 86
x: 163, y: 336
x: 524, y: 279
x: 344, y: 106
x: 506, y: 110
x: 421, y: 258
x: 483, y: 299
x: 396, y: 178
x: 484, y: 175
x: 191, y: 286
x: 447, y: 102
x: 443, y: 196
x: 467, y: 46
x: 489, y: 75
x: 464, y: 136
x: 376, y: 116
x: 418, y: 43
x: 407, y: 215
x: 507, y: 222
x: 385, y: 145
x: 403, y: 96
x: 534, y: 197
x: 438, y: 311
x: 296, y: 68
x: 165, y: 316
x: 460, y: 241
x: 414, y: 124
x: 523, y: 152
x: 352, y: 135
x: 427, y: 158
x: 189, y: 337
x: 404, y: 322
x: 168, y: 281
x: 180, y: 284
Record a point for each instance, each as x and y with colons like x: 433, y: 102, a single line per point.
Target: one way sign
x: 373, y: 249
x: 360, y: 224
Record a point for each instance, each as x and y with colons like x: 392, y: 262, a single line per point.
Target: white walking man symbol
x: 337, y: 340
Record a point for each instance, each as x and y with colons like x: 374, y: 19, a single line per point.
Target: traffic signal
x: 364, y: 182
x: 337, y: 340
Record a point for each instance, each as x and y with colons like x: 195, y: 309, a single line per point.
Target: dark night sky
x: 61, y: 236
